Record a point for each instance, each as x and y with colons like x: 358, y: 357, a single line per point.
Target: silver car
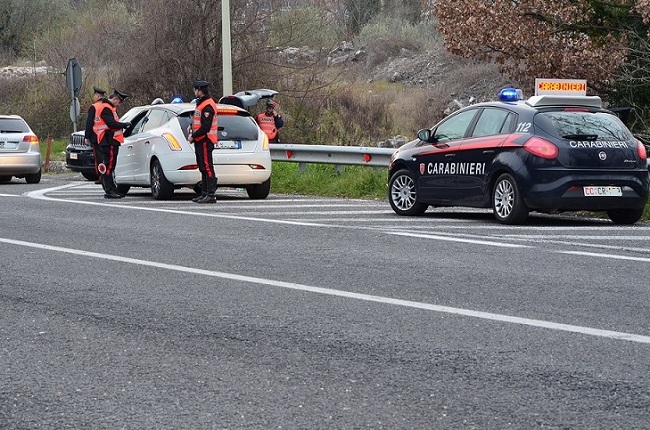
x: 20, y: 154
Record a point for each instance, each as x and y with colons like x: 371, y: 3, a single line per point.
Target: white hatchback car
x: 157, y: 155
x: 20, y: 154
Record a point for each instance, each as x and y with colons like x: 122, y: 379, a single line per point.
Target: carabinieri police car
x: 553, y: 152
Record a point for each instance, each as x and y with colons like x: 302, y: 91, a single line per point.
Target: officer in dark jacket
x: 203, y: 133
x: 89, y: 135
x: 108, y: 130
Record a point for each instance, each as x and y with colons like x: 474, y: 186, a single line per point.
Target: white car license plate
x: 602, y: 191
x: 228, y: 144
x: 73, y: 155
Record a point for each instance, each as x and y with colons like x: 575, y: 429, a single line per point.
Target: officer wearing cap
x: 108, y: 129
x: 270, y: 122
x: 89, y: 136
x: 203, y: 133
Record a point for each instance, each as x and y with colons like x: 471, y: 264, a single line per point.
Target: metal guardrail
x: 325, y: 154
x: 339, y: 155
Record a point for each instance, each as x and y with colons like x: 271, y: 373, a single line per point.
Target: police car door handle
x: 450, y: 155
x: 488, y: 152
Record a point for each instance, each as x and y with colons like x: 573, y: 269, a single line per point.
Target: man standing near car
x: 203, y: 133
x: 89, y: 135
x: 108, y: 130
x: 270, y: 121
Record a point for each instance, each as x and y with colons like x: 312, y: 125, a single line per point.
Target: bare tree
x: 550, y: 38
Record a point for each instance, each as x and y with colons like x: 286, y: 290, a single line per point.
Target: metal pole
x: 226, y: 48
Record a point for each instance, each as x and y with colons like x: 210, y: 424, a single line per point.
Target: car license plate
x: 228, y: 144
x: 73, y: 155
x: 602, y: 191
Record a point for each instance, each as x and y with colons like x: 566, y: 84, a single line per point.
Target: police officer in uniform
x: 89, y: 136
x: 270, y: 122
x: 203, y: 133
x: 108, y: 130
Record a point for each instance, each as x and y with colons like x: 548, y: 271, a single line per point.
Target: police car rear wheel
x: 508, y: 206
x: 625, y: 216
x: 402, y: 194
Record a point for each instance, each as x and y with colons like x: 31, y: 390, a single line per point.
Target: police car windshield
x: 585, y: 125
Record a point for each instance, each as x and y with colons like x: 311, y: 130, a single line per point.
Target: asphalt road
x: 314, y: 313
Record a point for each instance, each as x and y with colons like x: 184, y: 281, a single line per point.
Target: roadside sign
x: 73, y: 77
x: 75, y: 110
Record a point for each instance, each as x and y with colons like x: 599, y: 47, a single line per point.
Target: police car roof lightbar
x: 510, y: 95
x: 554, y: 100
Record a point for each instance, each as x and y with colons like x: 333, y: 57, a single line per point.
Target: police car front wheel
x: 508, y: 205
x: 402, y: 194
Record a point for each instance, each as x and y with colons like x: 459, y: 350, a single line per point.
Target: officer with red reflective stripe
x: 89, y: 134
x: 203, y: 134
x: 109, y: 133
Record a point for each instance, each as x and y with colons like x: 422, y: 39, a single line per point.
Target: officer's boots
x: 204, y: 189
x: 110, y: 189
x: 211, y: 189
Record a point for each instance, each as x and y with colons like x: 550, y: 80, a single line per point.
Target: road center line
x: 339, y: 293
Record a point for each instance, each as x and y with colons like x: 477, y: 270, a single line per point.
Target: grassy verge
x: 57, y: 152
x: 327, y: 180
x: 350, y: 182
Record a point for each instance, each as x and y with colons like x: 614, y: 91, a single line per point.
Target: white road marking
x: 475, y: 239
x: 40, y: 195
x: 458, y: 239
x: 10, y: 195
x: 613, y: 256
x: 350, y: 295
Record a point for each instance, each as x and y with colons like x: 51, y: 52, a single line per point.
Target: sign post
x: 73, y: 85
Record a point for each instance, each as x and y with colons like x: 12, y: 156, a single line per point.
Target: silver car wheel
x: 504, y: 198
x: 161, y: 188
x: 403, y: 192
x: 155, y: 179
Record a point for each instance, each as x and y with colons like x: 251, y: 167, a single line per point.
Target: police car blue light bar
x: 511, y: 94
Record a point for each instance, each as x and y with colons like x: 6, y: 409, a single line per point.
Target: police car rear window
x: 589, y: 125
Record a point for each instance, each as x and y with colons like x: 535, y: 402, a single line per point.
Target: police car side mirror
x: 424, y: 135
